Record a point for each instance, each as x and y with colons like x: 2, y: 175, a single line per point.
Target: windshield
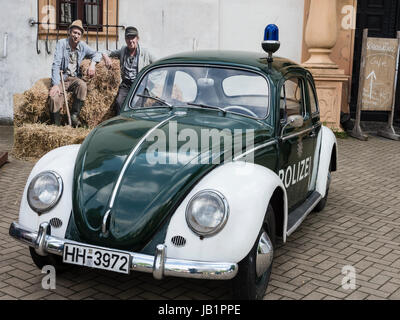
x: 232, y: 90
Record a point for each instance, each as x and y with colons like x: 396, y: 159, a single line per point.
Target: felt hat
x: 77, y: 24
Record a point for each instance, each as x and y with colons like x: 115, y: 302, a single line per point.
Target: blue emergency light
x: 271, y: 42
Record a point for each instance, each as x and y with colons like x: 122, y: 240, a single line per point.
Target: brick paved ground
x: 359, y: 227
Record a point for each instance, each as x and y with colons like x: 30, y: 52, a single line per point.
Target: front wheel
x: 252, y: 279
x: 41, y: 261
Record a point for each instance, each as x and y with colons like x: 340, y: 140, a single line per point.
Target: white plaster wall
x: 165, y: 27
x: 242, y: 25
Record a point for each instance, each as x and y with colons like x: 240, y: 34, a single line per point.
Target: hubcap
x: 265, y: 253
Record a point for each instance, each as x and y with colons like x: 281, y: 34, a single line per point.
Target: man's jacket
x: 145, y: 57
x: 61, y: 58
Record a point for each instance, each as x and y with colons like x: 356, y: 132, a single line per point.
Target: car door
x: 297, y: 144
x: 316, y: 122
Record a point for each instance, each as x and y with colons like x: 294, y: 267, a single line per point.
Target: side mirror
x: 295, y: 121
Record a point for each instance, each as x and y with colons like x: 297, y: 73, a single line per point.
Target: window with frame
x: 292, y: 98
x: 55, y: 16
x: 313, y: 98
x: 90, y: 12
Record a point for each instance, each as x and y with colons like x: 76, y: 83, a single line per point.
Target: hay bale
x: 19, y: 115
x: 32, y: 141
x: 32, y: 107
x: 33, y: 138
x: 102, y: 90
x: 105, y: 79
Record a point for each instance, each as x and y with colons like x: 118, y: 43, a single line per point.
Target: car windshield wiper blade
x: 155, y: 98
x: 208, y: 107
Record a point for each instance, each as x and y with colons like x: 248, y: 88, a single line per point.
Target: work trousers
x: 73, y: 84
x: 123, y: 91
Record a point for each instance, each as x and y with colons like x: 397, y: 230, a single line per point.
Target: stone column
x: 320, y: 37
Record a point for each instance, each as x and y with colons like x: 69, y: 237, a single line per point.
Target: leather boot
x: 76, y: 109
x: 55, y: 118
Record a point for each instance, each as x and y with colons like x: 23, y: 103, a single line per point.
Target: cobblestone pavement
x: 359, y: 227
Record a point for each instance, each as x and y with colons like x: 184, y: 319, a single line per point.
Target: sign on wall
x: 379, y: 74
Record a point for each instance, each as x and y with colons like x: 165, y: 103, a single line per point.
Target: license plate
x: 96, y: 258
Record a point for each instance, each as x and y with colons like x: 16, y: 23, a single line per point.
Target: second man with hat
x: 133, y: 58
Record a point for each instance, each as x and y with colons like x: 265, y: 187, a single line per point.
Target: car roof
x: 249, y: 60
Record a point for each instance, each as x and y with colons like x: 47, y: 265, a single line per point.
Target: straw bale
x: 102, y: 89
x: 32, y: 141
x: 105, y: 79
x: 31, y: 107
x: 19, y: 115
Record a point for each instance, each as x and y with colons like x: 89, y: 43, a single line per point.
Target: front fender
x: 62, y: 161
x: 248, y: 189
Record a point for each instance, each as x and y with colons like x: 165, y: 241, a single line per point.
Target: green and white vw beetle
x: 215, y: 156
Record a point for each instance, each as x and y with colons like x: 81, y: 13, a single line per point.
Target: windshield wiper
x: 208, y: 107
x: 155, y: 98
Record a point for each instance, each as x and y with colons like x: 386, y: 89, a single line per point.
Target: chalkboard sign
x: 379, y: 74
x: 378, y: 79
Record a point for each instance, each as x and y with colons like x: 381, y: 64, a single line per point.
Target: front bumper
x: 159, y: 265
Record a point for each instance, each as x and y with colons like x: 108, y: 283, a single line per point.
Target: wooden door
x: 382, y: 18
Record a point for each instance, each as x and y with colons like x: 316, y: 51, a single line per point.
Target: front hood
x: 140, y: 179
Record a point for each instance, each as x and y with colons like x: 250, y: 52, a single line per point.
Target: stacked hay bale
x: 33, y: 134
x: 33, y: 140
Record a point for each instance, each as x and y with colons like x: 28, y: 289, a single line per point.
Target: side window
x: 313, y: 98
x: 155, y: 83
x: 184, y: 88
x: 292, y: 97
x: 152, y: 85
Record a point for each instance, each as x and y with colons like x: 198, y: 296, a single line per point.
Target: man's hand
x: 54, y: 91
x: 107, y: 61
x: 92, y: 70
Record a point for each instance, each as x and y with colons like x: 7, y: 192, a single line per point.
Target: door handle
x: 313, y: 134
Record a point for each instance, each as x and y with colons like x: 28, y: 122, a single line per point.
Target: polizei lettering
x: 295, y: 173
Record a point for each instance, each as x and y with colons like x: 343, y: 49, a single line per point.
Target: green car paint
x: 150, y: 193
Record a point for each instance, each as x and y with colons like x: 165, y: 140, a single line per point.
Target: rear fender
x: 328, y: 145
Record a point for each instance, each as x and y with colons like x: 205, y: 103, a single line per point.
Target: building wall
x: 165, y: 26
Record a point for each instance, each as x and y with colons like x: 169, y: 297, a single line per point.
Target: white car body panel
x: 328, y: 141
x: 247, y: 188
x: 62, y: 161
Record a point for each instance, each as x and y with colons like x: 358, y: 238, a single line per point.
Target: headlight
x: 207, y: 213
x: 44, y: 191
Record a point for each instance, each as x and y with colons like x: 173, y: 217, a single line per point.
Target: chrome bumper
x: 158, y: 265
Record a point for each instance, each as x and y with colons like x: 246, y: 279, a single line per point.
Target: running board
x: 298, y: 215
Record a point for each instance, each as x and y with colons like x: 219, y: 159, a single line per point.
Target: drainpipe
x: 5, y: 45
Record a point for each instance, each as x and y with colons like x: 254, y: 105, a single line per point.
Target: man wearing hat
x: 68, y: 57
x: 133, y: 58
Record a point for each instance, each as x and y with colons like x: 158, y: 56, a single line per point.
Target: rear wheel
x: 254, y: 273
x: 322, y: 203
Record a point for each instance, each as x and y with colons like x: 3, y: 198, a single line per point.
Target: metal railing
x: 88, y: 27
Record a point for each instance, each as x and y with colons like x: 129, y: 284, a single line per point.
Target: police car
x: 216, y: 156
